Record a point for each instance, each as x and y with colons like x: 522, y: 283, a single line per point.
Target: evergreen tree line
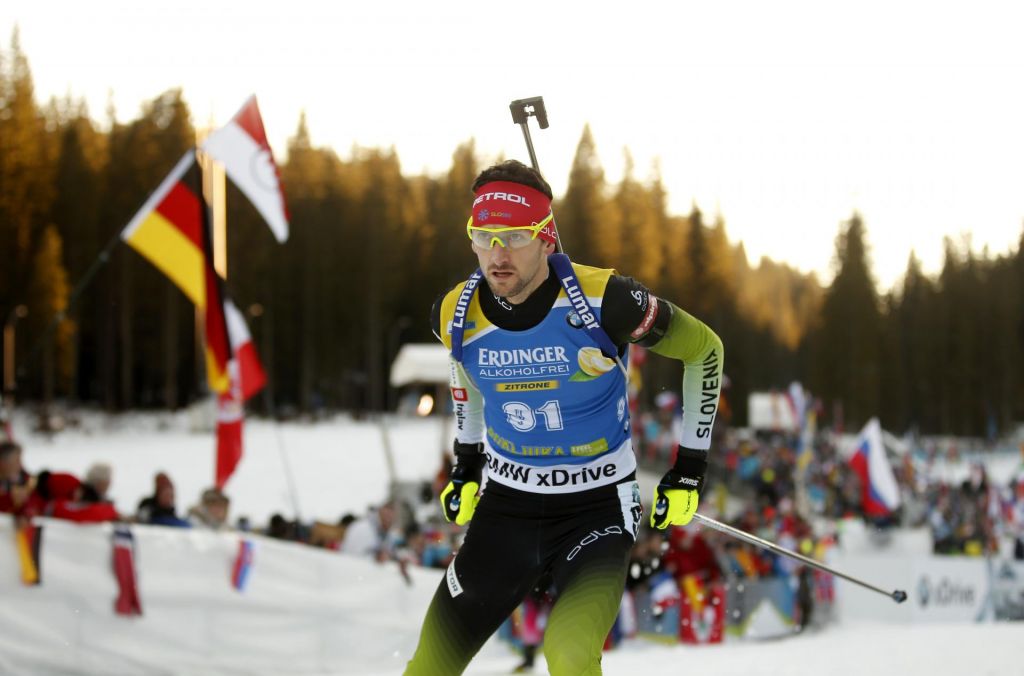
x: 371, y: 248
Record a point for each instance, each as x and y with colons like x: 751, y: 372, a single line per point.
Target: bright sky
x: 782, y: 116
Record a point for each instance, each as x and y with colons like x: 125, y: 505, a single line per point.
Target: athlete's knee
x: 419, y: 666
x: 572, y: 659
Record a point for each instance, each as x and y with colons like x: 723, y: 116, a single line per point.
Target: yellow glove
x: 678, y: 493
x: 458, y: 500
x: 459, y: 497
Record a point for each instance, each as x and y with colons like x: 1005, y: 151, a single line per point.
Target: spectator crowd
x: 768, y: 479
x: 769, y: 487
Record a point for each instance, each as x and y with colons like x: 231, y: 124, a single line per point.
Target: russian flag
x: 880, y: 494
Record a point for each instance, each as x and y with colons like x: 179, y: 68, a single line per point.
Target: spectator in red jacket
x: 689, y: 554
x: 60, y: 495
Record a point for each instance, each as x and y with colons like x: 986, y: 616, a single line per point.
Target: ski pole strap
x: 578, y: 301
x: 461, y: 309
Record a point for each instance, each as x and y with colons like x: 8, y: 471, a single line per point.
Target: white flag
x: 241, y: 146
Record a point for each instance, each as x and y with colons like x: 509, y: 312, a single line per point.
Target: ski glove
x: 677, y: 495
x: 459, y: 497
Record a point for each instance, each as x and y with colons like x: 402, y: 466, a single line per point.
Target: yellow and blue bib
x: 555, y: 406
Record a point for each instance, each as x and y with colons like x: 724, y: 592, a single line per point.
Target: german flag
x: 172, y: 231
x: 29, y: 539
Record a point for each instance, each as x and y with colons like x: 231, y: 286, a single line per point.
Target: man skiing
x: 538, y: 384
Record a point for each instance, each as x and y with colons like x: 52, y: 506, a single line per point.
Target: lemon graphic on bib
x: 593, y: 364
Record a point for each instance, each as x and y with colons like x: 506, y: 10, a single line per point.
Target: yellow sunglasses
x: 512, y: 237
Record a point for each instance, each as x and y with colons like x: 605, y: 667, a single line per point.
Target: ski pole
x: 897, y: 595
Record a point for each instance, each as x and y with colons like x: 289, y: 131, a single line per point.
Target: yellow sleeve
x: 700, y: 349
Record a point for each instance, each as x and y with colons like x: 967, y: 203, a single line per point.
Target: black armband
x: 659, y: 328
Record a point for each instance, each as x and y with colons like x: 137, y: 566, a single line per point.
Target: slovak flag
x: 880, y: 494
x: 241, y: 146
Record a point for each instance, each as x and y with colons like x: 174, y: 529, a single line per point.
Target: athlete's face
x: 515, y: 273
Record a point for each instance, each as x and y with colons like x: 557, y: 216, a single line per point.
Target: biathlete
x: 545, y: 473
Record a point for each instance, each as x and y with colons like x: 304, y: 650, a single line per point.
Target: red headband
x: 504, y: 204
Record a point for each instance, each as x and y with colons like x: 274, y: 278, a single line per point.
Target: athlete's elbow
x: 717, y: 346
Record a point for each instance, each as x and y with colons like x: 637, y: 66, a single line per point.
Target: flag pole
x: 214, y: 190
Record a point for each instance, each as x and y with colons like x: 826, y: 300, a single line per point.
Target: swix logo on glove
x: 460, y: 394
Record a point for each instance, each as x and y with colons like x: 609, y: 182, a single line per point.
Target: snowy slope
x: 304, y: 610
x: 309, y: 611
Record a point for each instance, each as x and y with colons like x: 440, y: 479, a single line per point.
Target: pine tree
x: 676, y: 267
x: 914, y: 322
x: 306, y: 190
x: 720, y: 271
x: 698, y: 282
x: 381, y: 209
x: 27, y: 152
x: 585, y: 224
x: 450, y: 199
x: 75, y: 212
x: 48, y: 296
x: 848, y: 357
x: 637, y: 251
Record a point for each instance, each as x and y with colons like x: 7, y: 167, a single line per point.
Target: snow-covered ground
x: 338, y: 615
x: 337, y: 466
x: 310, y: 611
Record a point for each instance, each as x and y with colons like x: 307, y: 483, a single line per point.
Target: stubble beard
x: 516, y: 289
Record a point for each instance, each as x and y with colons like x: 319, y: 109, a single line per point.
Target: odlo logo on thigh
x: 590, y: 537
